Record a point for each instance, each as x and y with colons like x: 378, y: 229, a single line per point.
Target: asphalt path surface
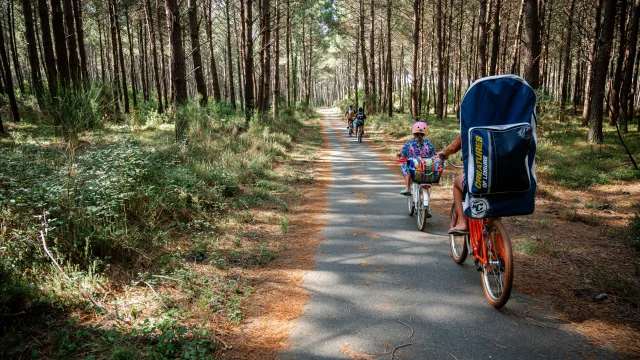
x: 380, y: 283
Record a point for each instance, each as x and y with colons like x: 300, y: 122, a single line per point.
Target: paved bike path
x: 380, y: 283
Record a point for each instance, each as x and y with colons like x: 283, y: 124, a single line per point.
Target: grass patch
x: 152, y: 231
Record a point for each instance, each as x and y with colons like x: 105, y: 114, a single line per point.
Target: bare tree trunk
x: 626, y: 82
x: 34, y: 63
x: 614, y: 108
x: 232, y: 92
x: 417, y: 20
x: 47, y: 45
x: 123, y: 72
x: 239, y: 63
x: 482, y: 39
x: 74, y: 63
x: 439, y: 39
x: 77, y: 12
x: 516, y: 41
x: 496, y: 40
x: 215, y: 83
x: 567, y: 60
x: 600, y: 72
x: 59, y: 36
x: 164, y: 78
x: 9, y: 81
x: 132, y: 62
x: 12, y: 45
x: 114, y: 51
x: 586, y: 110
x: 288, y: 50
x: 178, y: 66
x: 276, y: 60
x: 532, y: 58
x: 365, y: 69
x: 371, y: 102
x: 195, y: 53
x: 102, y: 65
x: 248, y: 58
x: 154, y: 54
x: 143, y: 63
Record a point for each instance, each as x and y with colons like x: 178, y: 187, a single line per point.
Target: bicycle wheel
x: 497, y: 274
x: 458, y: 244
x: 350, y: 132
x: 412, y: 207
x: 421, y: 219
x: 360, y: 135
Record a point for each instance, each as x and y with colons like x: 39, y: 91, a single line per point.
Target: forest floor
x: 574, y: 254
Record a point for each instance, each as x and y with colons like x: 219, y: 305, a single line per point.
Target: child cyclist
x: 350, y: 114
x: 360, y: 117
x: 418, y: 146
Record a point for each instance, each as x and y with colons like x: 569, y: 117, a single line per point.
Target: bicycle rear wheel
x: 497, y: 273
x: 360, y: 135
x: 421, y: 219
x: 458, y: 244
x: 412, y: 206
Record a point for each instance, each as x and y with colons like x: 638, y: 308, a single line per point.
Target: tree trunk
x: 276, y: 60
x: 586, y: 111
x: 164, y: 78
x: 532, y: 33
x: 600, y: 72
x: 614, y: 108
x: 154, y: 54
x: 132, y: 62
x: 288, y: 50
x: 496, y: 40
x: 77, y: 12
x: 482, y: 39
x: 114, y: 51
x: 59, y: 36
x: 32, y: 46
x: 13, y: 46
x: 195, y: 53
x: 371, y: 102
x: 102, y: 65
x: 567, y: 60
x: 143, y: 63
x: 439, y: 39
x: 215, y: 83
x: 178, y: 66
x: 516, y: 41
x: 247, y: 20
x: 363, y: 54
x: 630, y: 56
x: 123, y: 72
x: 417, y: 20
x: 74, y: 62
x: 232, y: 92
x: 47, y: 45
x: 9, y: 81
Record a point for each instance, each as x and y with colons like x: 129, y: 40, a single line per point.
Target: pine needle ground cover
x: 116, y: 242
x: 578, y: 252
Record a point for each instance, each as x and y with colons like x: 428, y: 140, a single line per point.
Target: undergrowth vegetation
x: 108, y: 218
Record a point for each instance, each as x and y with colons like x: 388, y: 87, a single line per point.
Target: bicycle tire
x: 350, y: 132
x: 497, y: 276
x: 458, y: 244
x: 360, y: 135
x: 421, y: 219
x: 412, y: 207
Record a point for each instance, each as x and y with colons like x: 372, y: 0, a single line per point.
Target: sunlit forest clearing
x: 160, y: 173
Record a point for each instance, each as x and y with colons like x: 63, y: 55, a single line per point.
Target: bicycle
x: 350, y: 126
x: 358, y: 124
x: 418, y: 201
x: 491, y: 247
x: 360, y: 131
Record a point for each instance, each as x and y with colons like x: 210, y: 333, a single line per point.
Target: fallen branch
x: 393, y: 353
x: 408, y: 326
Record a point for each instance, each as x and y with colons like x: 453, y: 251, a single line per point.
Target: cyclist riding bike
x: 419, y: 146
x: 350, y: 114
x: 360, y: 116
x: 462, y: 228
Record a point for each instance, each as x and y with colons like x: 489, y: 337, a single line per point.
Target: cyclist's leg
x: 457, y: 198
x: 407, y: 182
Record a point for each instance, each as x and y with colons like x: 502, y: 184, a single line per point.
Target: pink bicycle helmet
x: 419, y: 128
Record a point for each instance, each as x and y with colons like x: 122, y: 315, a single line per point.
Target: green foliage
x: 80, y: 109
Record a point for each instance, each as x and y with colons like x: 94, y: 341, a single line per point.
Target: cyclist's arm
x: 453, y: 148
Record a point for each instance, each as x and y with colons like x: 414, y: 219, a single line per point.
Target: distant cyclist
x: 360, y: 117
x: 350, y: 114
x: 419, y: 146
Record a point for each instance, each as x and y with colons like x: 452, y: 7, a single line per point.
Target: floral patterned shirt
x: 412, y: 148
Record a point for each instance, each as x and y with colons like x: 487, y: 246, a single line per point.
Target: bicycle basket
x: 425, y: 170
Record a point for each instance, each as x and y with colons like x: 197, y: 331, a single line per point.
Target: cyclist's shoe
x: 405, y: 192
x: 456, y: 232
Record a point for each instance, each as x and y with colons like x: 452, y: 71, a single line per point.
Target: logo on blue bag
x: 481, y: 165
x: 479, y: 207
